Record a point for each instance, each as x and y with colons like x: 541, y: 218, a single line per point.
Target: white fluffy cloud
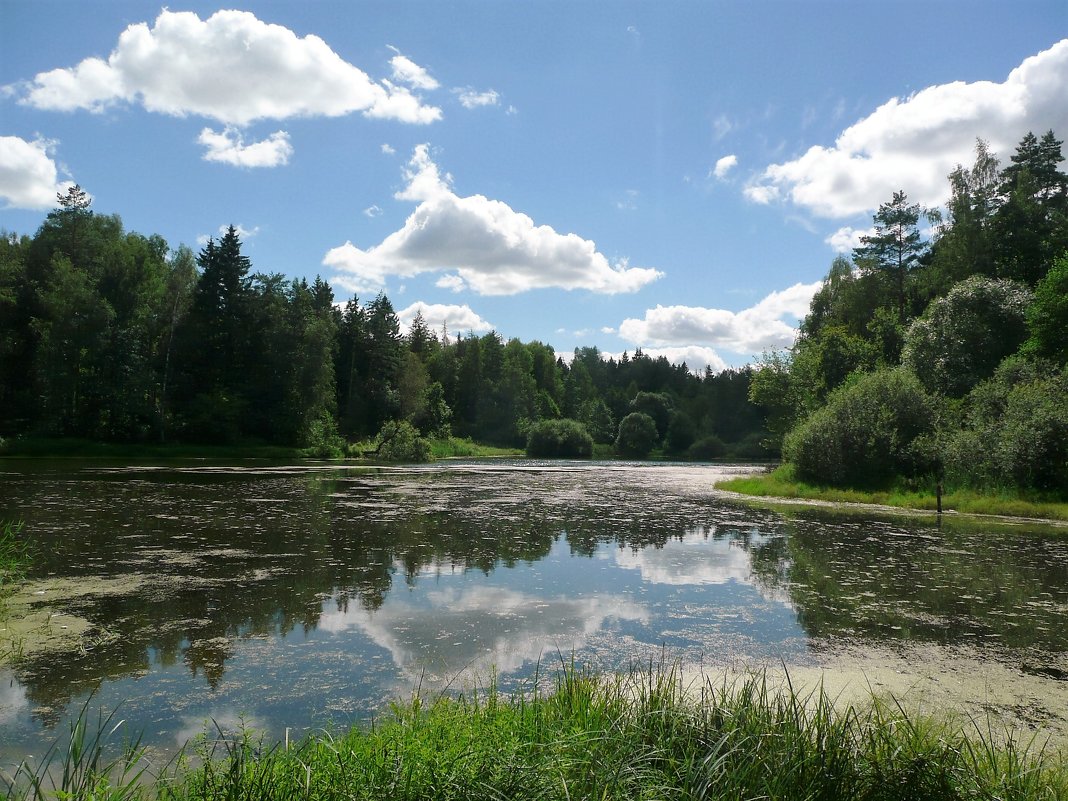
x: 847, y: 239
x: 724, y: 166
x: 769, y: 325
x: 914, y: 143
x: 407, y: 71
x: 228, y: 147
x: 454, y: 319
x: 231, y: 67
x: 469, y: 98
x: 695, y: 357
x: 480, y: 244
x: 28, y: 175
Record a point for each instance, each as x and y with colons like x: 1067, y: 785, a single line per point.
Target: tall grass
x: 14, y: 555
x: 641, y: 735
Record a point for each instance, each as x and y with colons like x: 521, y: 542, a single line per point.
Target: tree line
x: 113, y: 336
x: 940, y: 358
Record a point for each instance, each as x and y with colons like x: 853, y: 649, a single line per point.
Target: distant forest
x: 113, y: 336
x: 921, y: 356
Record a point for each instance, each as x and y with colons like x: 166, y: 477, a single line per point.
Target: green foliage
x: 399, y: 441
x: 656, y: 405
x: 707, y: 449
x: 637, y: 435
x: 1015, y: 431
x: 962, y: 337
x: 895, y: 246
x: 1047, y: 317
x: 866, y: 433
x: 681, y: 433
x: 559, y: 439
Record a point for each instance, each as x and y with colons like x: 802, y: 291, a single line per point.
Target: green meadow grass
x: 641, y: 735
x: 780, y: 483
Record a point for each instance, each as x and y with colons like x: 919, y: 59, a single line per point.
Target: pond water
x: 296, y: 597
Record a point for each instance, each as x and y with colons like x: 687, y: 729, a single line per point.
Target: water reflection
x: 290, y: 594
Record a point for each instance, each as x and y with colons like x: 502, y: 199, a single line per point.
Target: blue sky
x: 675, y: 176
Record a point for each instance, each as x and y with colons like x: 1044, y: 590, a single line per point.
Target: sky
x: 670, y: 176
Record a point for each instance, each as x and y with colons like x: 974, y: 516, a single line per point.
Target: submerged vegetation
x: 646, y: 734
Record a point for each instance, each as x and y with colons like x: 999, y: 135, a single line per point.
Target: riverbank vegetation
x: 646, y: 734
x: 937, y: 365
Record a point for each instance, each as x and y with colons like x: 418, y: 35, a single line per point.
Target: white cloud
x: 763, y: 326
x: 243, y: 232
x: 695, y: 357
x: 231, y: 67
x: 914, y: 143
x: 455, y: 319
x: 722, y: 126
x: 480, y: 244
x: 607, y: 329
x: 407, y: 71
x: 847, y: 239
x: 469, y: 98
x: 372, y: 211
x: 28, y: 175
x: 228, y: 147
x: 388, y: 150
x: 724, y: 166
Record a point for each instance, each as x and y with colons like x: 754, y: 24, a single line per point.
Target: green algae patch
x: 34, y: 620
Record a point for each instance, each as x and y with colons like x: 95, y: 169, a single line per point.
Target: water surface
x: 297, y: 596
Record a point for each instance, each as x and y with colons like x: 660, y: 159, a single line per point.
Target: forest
x: 936, y: 351
x: 112, y: 336
x: 939, y: 358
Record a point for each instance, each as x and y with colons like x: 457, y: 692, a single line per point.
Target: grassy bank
x: 780, y: 483
x: 14, y: 556
x: 639, y: 736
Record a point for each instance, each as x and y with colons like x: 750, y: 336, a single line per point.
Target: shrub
x: 559, y: 439
x: 867, y: 432
x: 1015, y: 431
x: 961, y: 338
x: 399, y: 441
x: 707, y: 448
x: 637, y: 435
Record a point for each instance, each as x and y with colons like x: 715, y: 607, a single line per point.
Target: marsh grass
x: 645, y: 734
x: 780, y: 483
x: 14, y: 556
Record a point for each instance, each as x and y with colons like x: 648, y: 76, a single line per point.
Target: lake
x: 294, y: 597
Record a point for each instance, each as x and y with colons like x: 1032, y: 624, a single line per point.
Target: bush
x: 707, y: 448
x: 1015, y: 431
x: 961, y: 338
x: 399, y: 441
x: 637, y: 435
x: 866, y: 434
x: 559, y: 439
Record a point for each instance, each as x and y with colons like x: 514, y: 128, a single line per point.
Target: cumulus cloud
x: 231, y: 67
x: 469, y: 98
x: 28, y: 175
x: 915, y: 142
x: 769, y: 325
x: 407, y: 71
x: 388, y: 150
x: 847, y: 239
x: 724, y: 166
x: 228, y: 147
x: 454, y: 319
x: 480, y: 244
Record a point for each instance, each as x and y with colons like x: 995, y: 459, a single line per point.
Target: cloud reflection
x: 478, y: 629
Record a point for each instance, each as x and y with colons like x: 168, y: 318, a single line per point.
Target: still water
x: 296, y: 597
